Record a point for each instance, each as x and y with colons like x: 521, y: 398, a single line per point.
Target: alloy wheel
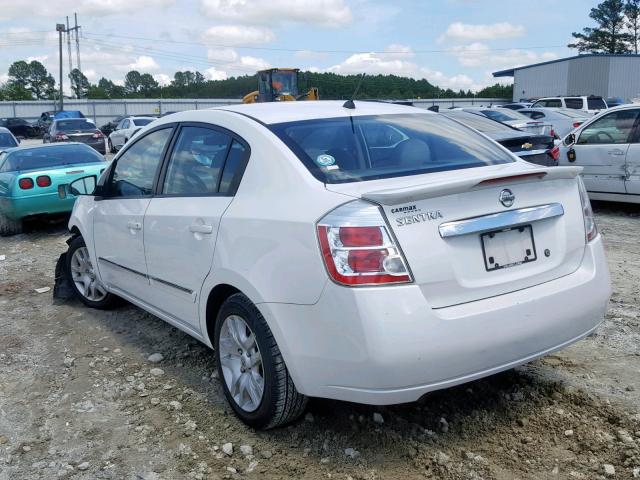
x: 241, y: 363
x: 84, y: 277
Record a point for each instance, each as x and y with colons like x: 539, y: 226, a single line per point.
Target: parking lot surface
x: 79, y: 397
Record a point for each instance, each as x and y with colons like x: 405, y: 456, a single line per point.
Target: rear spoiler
x: 394, y: 196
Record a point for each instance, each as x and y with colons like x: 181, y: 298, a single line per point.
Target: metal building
x: 590, y: 74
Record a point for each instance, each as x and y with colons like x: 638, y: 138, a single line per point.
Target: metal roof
x: 511, y: 71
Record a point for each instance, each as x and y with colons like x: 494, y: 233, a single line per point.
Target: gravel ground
x: 79, y: 399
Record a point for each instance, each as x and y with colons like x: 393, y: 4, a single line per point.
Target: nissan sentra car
x: 365, y: 252
x: 31, y: 177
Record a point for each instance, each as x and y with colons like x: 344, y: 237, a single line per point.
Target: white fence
x: 101, y: 111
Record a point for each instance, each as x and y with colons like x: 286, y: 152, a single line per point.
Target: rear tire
x: 9, y: 226
x: 280, y: 403
x: 84, y: 283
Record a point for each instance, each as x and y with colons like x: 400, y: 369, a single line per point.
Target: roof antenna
x: 349, y: 103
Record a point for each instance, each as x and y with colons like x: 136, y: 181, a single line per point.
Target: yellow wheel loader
x: 279, y: 85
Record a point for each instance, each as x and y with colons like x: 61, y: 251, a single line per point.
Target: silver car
x: 563, y: 120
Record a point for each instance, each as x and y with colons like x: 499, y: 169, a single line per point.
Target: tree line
x: 31, y: 81
x: 617, y: 29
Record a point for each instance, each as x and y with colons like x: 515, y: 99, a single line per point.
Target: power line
x: 278, y: 49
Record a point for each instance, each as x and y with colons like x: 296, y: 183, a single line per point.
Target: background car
x: 7, y: 139
x: 127, y: 127
x: 19, y: 127
x: 44, y: 121
x: 606, y: 147
x: 512, y: 118
x: 534, y: 148
x: 592, y: 103
x: 75, y: 130
x: 110, y: 126
x: 563, y: 120
x: 30, y: 178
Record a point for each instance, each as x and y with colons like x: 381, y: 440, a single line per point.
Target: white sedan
x: 606, y: 147
x: 369, y: 254
x: 127, y: 127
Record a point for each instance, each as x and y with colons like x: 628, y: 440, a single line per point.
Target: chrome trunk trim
x: 498, y: 221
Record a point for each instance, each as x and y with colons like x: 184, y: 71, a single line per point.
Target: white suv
x: 368, y: 254
x: 591, y: 104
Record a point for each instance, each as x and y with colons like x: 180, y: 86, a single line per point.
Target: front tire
x: 254, y: 377
x: 9, y: 226
x: 111, y: 147
x: 83, y: 280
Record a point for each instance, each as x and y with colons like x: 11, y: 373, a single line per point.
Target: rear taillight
x: 590, y: 228
x: 98, y: 134
x: 25, y: 183
x: 60, y: 137
x: 576, y: 124
x: 43, y: 181
x: 555, y: 153
x: 357, y: 247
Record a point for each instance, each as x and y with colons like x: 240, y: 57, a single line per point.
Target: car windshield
x: 66, y: 125
x: 480, y: 123
x: 7, y: 140
x: 141, y: 122
x: 596, y: 104
x: 354, y: 149
x: 49, y: 157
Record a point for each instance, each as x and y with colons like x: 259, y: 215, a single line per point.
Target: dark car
x: 19, y: 127
x: 110, y: 126
x: 534, y: 148
x: 44, y: 122
x: 75, y: 130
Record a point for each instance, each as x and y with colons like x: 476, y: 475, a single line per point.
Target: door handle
x: 616, y: 152
x: 134, y: 225
x: 198, y: 228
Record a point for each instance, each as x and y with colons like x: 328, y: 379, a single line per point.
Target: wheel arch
x: 217, y: 296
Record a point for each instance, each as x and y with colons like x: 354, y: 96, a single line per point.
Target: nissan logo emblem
x: 507, y: 197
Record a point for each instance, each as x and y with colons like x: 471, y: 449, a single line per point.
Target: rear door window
x: 353, y: 149
x: 574, y: 103
x: 596, y: 104
x: 195, y: 167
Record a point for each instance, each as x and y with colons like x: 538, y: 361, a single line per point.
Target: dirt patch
x: 78, y: 400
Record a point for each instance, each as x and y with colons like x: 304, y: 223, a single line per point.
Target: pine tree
x: 609, y: 36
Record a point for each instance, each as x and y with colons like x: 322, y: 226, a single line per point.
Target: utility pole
x: 60, y: 29
x: 68, y: 32
x: 77, y: 30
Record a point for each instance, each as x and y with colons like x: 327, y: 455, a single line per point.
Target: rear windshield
x: 76, y: 124
x: 7, y: 140
x: 49, y: 157
x: 355, y: 149
x: 141, y: 122
x: 480, y: 123
x: 596, y: 104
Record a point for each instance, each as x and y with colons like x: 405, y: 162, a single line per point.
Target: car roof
x: 5, y: 130
x: 135, y: 117
x: 45, y: 145
x: 282, y: 112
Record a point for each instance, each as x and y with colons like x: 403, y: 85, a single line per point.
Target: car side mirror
x: 570, y: 140
x: 83, y: 186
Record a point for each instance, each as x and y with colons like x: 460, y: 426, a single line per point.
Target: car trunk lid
x: 544, y: 223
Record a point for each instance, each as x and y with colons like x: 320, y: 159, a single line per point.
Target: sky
x: 452, y: 43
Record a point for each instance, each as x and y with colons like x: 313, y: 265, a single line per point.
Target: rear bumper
x: 45, y: 204
x: 386, y: 345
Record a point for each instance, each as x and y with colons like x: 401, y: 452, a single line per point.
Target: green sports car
x: 32, y: 177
